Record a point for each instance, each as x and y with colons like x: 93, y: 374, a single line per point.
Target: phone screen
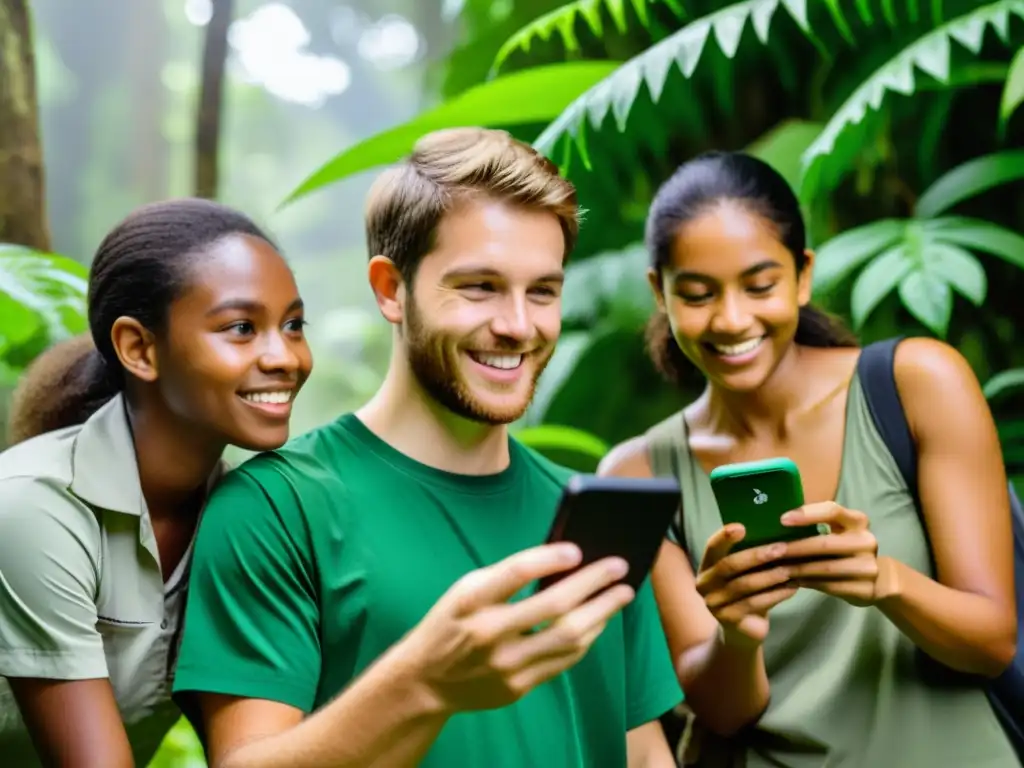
x: 613, y: 516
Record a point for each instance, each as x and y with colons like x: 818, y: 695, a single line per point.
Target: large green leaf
x: 969, y: 179
x: 1004, y: 382
x: 549, y: 437
x: 782, y: 147
x: 1013, y: 91
x: 877, y: 281
x: 979, y: 235
x: 562, y: 21
x: 844, y: 253
x: 960, y: 268
x: 929, y: 54
x: 39, y: 288
x: 18, y: 323
x: 928, y: 298
x: 530, y: 96
x: 617, y: 93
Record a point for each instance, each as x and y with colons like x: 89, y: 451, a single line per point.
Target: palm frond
x: 618, y: 92
x: 562, y: 21
x: 828, y: 158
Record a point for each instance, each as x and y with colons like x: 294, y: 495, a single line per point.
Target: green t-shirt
x: 314, y: 559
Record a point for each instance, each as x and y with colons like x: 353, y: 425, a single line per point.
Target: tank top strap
x: 668, y: 452
x: 667, y: 448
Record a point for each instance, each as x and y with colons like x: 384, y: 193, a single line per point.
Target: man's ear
x: 135, y: 346
x: 805, y: 280
x: 388, y: 288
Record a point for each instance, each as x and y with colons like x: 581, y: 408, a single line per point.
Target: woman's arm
x: 726, y: 686
x: 74, y: 723
x: 967, y: 620
x: 50, y: 650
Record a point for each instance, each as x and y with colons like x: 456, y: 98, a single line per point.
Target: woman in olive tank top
x: 820, y: 652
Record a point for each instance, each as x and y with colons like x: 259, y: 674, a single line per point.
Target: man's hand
x: 475, y: 650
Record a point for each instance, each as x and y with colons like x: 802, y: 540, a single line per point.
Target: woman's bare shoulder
x: 627, y: 459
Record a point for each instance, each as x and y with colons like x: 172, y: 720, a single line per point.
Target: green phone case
x: 756, y: 494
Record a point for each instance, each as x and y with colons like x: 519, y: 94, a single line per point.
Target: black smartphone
x: 615, y: 516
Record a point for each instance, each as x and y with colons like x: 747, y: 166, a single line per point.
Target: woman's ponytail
x: 62, y: 387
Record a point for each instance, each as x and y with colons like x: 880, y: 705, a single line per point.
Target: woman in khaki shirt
x: 198, y: 332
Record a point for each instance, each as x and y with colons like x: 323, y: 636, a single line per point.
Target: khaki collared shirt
x: 81, y: 590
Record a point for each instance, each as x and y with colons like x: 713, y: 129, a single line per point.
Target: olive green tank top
x: 848, y: 689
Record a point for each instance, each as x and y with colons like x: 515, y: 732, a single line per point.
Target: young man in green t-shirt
x: 364, y: 596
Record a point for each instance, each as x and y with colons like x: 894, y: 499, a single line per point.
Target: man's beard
x: 436, y: 368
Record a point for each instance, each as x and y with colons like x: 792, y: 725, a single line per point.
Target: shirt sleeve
x: 652, y: 688
x: 48, y: 584
x: 252, y: 614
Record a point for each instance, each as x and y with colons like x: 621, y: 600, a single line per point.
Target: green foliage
x: 573, y: 448
x: 42, y: 300
x: 180, y: 749
x: 531, y: 96
x: 562, y: 21
x: 829, y: 158
x: 927, y: 258
x: 1013, y: 93
x: 1004, y: 383
x: 617, y: 94
x: 782, y: 147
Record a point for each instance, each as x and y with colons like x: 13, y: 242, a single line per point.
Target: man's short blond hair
x: 406, y: 203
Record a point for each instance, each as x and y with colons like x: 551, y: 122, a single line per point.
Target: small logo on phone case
x: 760, y: 497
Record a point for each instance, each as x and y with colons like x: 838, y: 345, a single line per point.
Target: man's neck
x: 404, y: 416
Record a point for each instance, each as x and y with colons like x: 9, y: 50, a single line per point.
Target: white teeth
x: 735, y: 350
x: 275, y: 398
x: 504, y: 362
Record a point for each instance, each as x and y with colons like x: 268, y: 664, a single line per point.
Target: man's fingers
x: 573, y: 633
x: 560, y: 599
x: 528, y: 678
x: 499, y: 582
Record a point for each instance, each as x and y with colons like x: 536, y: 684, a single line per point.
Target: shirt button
x: 163, y: 624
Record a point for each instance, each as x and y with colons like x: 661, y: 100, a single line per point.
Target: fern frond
x: 618, y: 91
x: 931, y: 53
x: 562, y: 21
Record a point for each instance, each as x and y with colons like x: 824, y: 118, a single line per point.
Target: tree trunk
x: 215, y: 51
x: 22, y: 200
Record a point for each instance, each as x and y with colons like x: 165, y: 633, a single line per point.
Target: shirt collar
x: 104, y: 470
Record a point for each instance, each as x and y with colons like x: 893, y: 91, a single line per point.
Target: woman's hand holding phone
x: 843, y: 563
x: 739, y: 588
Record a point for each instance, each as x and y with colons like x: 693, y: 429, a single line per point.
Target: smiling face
x: 234, y: 354
x: 732, y: 295
x: 484, y: 311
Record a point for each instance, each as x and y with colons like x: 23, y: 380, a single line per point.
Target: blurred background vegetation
x: 896, y: 120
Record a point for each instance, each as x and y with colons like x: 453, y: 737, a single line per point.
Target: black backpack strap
x: 877, y: 375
